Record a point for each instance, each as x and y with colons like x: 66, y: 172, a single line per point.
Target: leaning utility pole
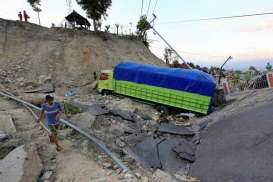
x: 221, y: 69
x: 177, y: 54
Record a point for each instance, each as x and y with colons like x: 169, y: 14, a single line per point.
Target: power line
x: 217, y: 18
x: 148, y: 8
x: 141, y: 8
x: 192, y: 53
x: 155, y: 5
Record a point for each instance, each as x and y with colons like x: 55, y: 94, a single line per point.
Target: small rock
x: 161, y: 176
x: 109, y: 173
x: 145, y: 179
x: 115, y: 166
x: 85, y: 146
x: 128, y: 176
x: 118, y: 171
x: 65, y: 132
x: 3, y: 136
x: 128, y: 159
x: 120, y: 143
x: 138, y: 175
x: 107, y: 165
x: 52, y: 167
x: 46, y: 175
x: 186, y: 178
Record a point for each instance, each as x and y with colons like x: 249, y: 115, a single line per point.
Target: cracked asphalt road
x: 237, y: 149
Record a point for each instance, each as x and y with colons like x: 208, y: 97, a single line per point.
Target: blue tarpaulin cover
x: 189, y: 80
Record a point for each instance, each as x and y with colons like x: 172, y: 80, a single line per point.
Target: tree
x: 253, y: 69
x: 107, y: 28
x: 95, y: 9
x: 268, y: 66
x: 117, y: 27
x: 36, y: 6
x: 176, y: 64
x: 142, y: 26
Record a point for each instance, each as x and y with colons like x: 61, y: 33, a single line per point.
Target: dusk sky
x: 248, y: 40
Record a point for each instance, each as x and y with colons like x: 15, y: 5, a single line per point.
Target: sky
x: 208, y: 43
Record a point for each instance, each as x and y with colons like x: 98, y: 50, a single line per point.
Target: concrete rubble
x: 6, y: 124
x: 12, y: 166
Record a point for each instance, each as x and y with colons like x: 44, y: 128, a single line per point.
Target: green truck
x: 163, y: 98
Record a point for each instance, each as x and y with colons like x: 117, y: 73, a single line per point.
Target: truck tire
x: 163, y: 110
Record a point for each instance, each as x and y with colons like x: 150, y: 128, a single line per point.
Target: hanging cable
x: 141, y: 8
x: 155, y: 6
x: 216, y: 18
x: 193, y: 53
x: 148, y: 8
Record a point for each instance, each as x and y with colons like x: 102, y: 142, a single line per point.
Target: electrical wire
x: 193, y: 53
x: 148, y: 8
x: 216, y: 18
x: 141, y: 8
x: 155, y: 6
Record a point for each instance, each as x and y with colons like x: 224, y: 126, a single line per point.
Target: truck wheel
x: 163, y: 110
x: 105, y: 92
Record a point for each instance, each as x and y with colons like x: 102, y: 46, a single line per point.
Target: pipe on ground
x: 90, y: 137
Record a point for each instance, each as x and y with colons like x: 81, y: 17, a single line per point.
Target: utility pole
x: 156, y: 32
x: 221, y: 69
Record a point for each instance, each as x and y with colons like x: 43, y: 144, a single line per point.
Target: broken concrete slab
x: 174, y: 129
x: 147, y: 151
x: 46, y: 88
x: 97, y: 109
x: 46, y: 175
x: 185, y: 150
x: 33, y: 164
x: 6, y: 124
x: 83, y: 120
x: 196, y: 139
x: 135, y: 138
x: 126, y: 115
x: 168, y: 157
x: 142, y: 115
x: 12, y: 166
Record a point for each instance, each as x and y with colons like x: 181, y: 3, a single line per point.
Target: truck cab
x: 106, y: 82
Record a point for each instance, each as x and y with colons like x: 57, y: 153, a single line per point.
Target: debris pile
x: 139, y: 137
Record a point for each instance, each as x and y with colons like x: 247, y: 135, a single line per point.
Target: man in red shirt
x: 26, y: 17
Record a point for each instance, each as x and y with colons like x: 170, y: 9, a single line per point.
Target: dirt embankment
x: 29, y: 52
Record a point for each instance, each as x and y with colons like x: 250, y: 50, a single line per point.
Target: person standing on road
x: 20, y: 16
x: 26, y: 17
x: 52, y: 112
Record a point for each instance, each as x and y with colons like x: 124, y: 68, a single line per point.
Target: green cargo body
x: 168, y: 97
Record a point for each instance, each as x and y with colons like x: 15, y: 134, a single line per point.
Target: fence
x: 257, y: 81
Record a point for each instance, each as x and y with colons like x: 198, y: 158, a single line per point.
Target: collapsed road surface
x: 238, y: 148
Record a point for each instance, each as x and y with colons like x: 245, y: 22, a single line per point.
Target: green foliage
x: 235, y: 78
x: 268, y: 66
x: 70, y: 109
x: 247, y: 76
x: 95, y: 9
x: 142, y: 26
x: 35, y: 4
x: 107, y: 28
x: 254, y: 70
